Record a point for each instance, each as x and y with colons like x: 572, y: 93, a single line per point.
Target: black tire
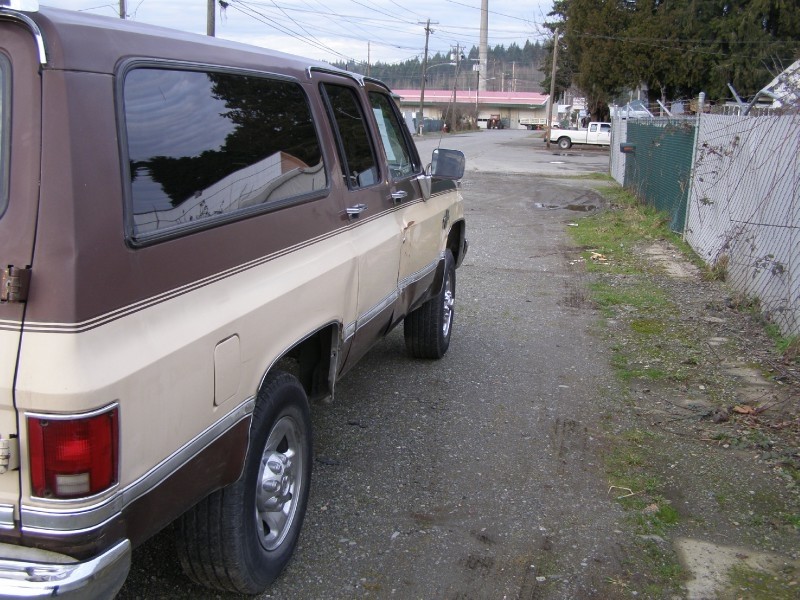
x: 428, y: 329
x: 564, y: 143
x: 241, y: 537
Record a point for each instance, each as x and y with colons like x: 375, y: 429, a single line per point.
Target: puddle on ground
x: 573, y: 207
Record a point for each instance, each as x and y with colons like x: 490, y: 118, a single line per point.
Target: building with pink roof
x: 516, y: 110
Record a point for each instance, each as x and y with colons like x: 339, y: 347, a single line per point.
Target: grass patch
x: 787, y: 347
x: 642, y: 296
x: 615, y: 233
x: 648, y: 326
x: 628, y: 466
x: 651, y: 571
x: 759, y: 585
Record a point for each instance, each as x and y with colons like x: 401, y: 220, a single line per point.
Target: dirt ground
x: 727, y: 441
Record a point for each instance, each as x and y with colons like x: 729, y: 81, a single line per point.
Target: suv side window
x: 205, y: 147
x: 359, y: 166
x: 401, y: 158
x: 5, y: 129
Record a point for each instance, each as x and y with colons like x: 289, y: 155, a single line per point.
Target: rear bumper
x: 42, y: 574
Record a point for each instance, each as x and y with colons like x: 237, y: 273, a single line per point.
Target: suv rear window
x: 5, y: 129
x: 209, y: 146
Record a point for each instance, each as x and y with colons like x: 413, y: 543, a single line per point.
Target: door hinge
x: 14, y: 284
x: 9, y: 454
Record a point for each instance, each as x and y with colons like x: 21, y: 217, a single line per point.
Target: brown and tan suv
x: 198, y: 238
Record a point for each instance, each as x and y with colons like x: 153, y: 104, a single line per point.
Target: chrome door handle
x: 399, y: 196
x: 354, y: 211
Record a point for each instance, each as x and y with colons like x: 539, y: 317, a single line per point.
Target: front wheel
x: 564, y: 143
x: 241, y: 537
x: 428, y: 329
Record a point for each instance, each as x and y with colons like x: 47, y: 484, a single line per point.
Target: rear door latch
x: 14, y: 284
x: 9, y: 455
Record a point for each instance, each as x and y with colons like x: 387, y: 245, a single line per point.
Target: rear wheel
x: 241, y: 537
x: 428, y: 329
x: 564, y: 143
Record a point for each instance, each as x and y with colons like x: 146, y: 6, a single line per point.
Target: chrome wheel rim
x: 447, y: 309
x: 279, y: 483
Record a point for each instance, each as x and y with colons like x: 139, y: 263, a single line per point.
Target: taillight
x: 75, y: 456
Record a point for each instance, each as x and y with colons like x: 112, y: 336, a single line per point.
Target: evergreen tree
x: 677, y: 47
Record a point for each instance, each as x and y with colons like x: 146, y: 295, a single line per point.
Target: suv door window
x: 402, y: 160
x: 359, y: 166
x: 204, y: 147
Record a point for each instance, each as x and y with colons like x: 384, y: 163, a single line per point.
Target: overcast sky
x: 331, y: 30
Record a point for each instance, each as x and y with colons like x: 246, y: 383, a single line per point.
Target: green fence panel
x: 659, y: 169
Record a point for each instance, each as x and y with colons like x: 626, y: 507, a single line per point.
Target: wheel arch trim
x: 333, y: 354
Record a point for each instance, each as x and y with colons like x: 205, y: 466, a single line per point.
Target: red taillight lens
x: 73, y: 457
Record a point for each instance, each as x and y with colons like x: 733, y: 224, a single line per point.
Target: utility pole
x: 122, y: 10
x: 483, y: 48
x: 514, y: 76
x: 369, y: 58
x: 428, y: 32
x: 477, y: 88
x: 210, y: 25
x: 552, y: 89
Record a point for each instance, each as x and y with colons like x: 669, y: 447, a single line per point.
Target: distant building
x: 514, y: 110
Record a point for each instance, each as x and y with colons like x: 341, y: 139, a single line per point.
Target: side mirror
x: 447, y: 164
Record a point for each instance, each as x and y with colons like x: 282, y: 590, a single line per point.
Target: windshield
x: 5, y: 129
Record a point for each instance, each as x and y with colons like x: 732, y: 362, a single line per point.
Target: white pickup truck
x: 597, y: 134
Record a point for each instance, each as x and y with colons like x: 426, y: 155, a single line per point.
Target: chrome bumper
x: 23, y: 575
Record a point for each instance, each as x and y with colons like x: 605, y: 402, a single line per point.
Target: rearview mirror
x: 447, y: 164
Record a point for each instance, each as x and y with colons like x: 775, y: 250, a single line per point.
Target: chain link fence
x: 744, y: 208
x: 659, y: 169
x: 731, y: 186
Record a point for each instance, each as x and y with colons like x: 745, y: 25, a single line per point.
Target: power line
x: 251, y: 12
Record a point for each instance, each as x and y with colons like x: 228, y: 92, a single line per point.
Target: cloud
x: 358, y: 30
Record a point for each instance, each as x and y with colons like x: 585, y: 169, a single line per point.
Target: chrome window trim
x: 12, y: 15
x: 5, y: 132
x: 68, y: 519
x: 358, y: 78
